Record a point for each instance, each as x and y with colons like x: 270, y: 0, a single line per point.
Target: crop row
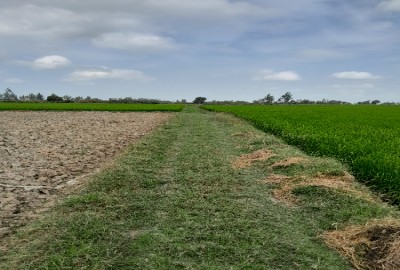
x: 89, y: 107
x: 367, y: 138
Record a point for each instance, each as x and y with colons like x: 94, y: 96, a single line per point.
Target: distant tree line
x: 287, y: 98
x: 9, y: 96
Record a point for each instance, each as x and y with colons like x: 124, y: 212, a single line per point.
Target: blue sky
x: 220, y: 49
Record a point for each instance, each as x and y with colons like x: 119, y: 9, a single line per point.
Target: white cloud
x: 390, y: 5
x: 13, y: 80
x: 106, y: 73
x: 46, y: 62
x: 50, y: 62
x: 134, y: 41
x: 354, y: 75
x: 42, y: 22
x: 54, y: 20
x: 169, y: 8
x: 270, y: 75
x: 211, y: 9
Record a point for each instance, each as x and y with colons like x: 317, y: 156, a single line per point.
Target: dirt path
x: 43, y: 153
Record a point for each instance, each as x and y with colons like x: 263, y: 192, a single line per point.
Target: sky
x: 219, y: 49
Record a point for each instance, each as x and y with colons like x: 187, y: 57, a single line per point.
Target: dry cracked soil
x: 45, y: 154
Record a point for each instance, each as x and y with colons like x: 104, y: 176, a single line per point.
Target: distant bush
x: 54, y: 98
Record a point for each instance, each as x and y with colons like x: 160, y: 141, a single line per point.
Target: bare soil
x: 43, y: 154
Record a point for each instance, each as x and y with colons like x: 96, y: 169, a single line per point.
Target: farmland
x: 364, y: 137
x: 203, y: 191
x: 44, y: 154
x: 88, y: 107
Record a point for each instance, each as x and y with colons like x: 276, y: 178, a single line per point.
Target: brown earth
x: 44, y: 154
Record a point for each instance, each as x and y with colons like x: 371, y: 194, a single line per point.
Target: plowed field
x: 43, y: 154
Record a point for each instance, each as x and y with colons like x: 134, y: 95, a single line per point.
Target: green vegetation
x: 89, y: 107
x: 174, y: 201
x: 364, y: 137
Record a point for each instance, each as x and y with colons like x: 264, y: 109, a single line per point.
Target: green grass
x: 89, y: 107
x: 173, y: 201
x: 364, y: 137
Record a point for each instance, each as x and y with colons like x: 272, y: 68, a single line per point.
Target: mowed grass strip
x: 26, y: 106
x: 364, y: 137
x: 174, y: 201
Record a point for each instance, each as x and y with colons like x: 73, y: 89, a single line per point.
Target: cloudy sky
x: 220, y: 49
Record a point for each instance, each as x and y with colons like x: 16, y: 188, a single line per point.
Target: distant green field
x: 367, y: 138
x: 90, y: 107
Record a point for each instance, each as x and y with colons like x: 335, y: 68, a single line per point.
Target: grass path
x: 173, y: 201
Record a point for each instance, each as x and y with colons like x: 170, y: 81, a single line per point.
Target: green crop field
x: 89, y: 107
x: 367, y: 138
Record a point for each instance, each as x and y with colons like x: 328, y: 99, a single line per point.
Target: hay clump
x: 276, y: 179
x: 247, y: 160
x: 289, y: 162
x: 375, y: 245
x: 344, y: 183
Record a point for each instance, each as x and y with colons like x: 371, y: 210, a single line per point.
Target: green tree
x: 39, y: 97
x: 199, y: 100
x: 8, y: 95
x: 268, y: 99
x: 31, y: 97
x: 54, y: 98
x: 78, y: 99
x: 286, y: 98
x: 67, y: 99
x: 375, y: 102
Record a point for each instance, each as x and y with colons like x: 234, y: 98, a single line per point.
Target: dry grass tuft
x: 289, y: 162
x: 285, y: 195
x: 276, y: 179
x: 247, y: 160
x: 344, y: 183
x: 375, y: 245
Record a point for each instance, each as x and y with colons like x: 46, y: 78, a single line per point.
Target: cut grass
x: 364, y: 137
x: 174, y: 201
x: 25, y: 106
